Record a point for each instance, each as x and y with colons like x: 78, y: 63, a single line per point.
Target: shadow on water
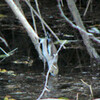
x: 27, y: 85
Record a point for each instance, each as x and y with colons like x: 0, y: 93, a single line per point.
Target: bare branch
x: 4, y: 41
x: 89, y: 1
x: 37, y: 6
x: 85, y: 35
x: 32, y: 34
x: 33, y: 18
x: 43, y: 21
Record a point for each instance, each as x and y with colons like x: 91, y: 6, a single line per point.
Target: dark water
x: 22, y: 85
x: 27, y: 85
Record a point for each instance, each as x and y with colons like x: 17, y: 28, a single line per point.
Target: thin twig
x: 90, y: 87
x: 60, y: 48
x: 37, y: 6
x: 4, y: 52
x: 89, y: 1
x: 33, y: 18
x: 7, y: 54
x: 4, y: 41
x: 77, y: 96
x: 43, y: 21
x: 47, y: 75
x: 45, y: 86
x: 77, y: 27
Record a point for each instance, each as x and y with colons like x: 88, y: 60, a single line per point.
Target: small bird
x: 49, y: 52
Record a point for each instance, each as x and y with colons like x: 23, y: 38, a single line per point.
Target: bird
x: 49, y: 52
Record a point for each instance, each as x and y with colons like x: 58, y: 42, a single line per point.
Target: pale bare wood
x: 76, y: 15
